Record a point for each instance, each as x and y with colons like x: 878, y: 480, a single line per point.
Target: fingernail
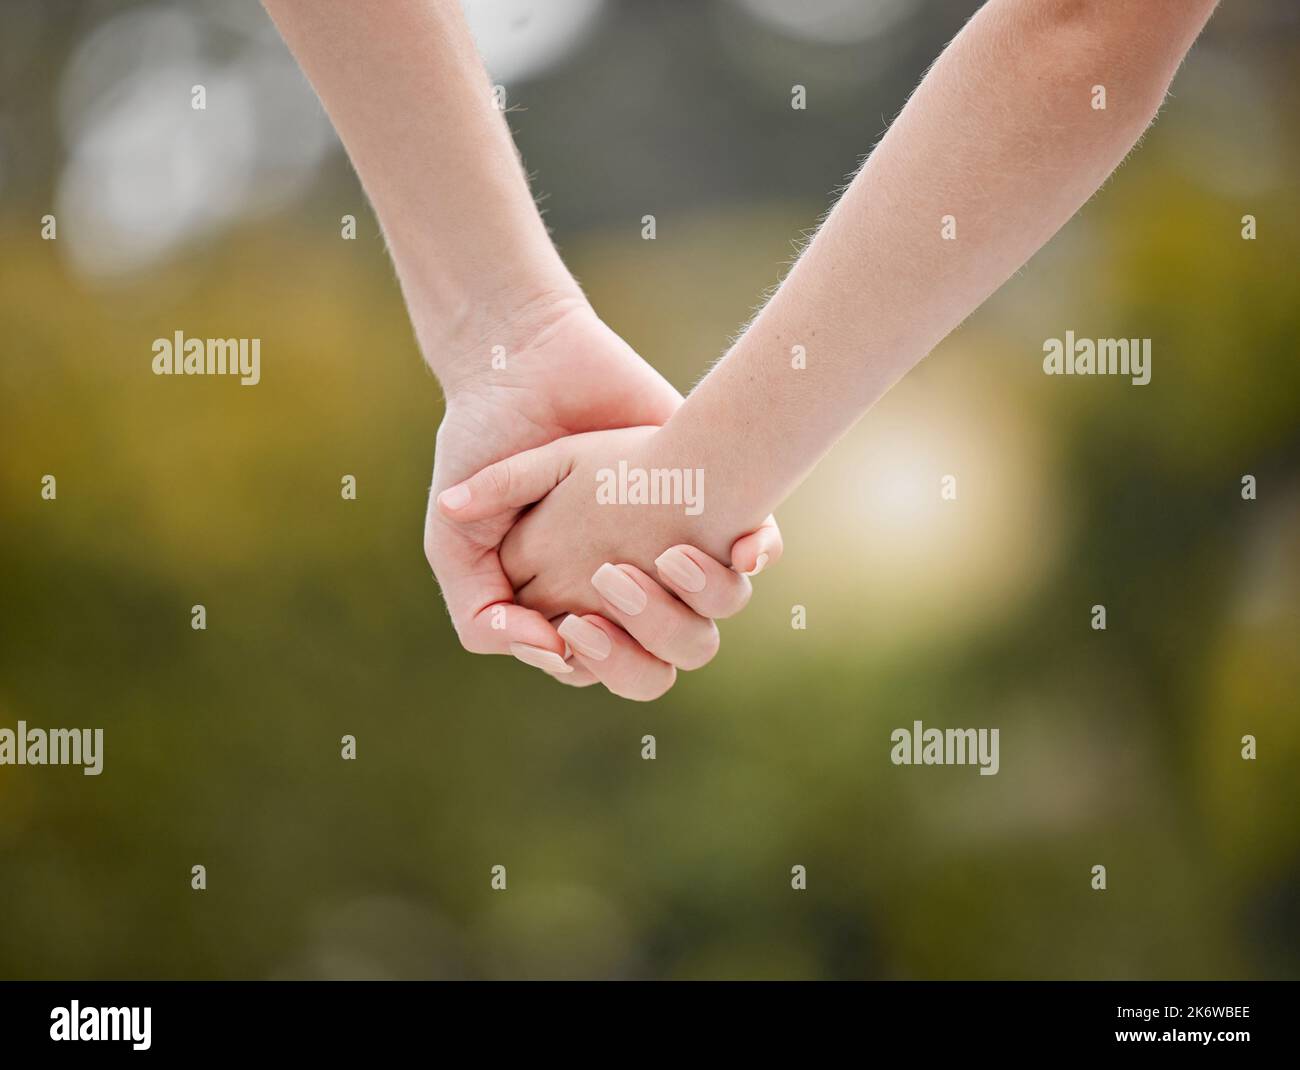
x: 454, y: 498
x: 546, y: 660
x: 584, y: 637
x: 759, y: 565
x: 681, y: 570
x: 619, y: 589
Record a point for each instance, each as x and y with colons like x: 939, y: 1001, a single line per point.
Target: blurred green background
x: 1119, y: 748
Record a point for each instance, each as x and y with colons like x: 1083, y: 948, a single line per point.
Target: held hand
x: 568, y: 373
x: 572, y: 553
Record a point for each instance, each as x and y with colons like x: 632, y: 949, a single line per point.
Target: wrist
x: 728, y: 459
x: 469, y: 343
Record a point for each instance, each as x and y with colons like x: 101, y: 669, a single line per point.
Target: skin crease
x: 877, y: 288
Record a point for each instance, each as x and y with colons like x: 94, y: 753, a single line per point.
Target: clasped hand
x: 588, y: 593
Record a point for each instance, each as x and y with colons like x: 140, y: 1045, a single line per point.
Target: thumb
x: 507, y: 484
x: 758, y: 550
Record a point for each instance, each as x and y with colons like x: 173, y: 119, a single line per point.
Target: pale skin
x: 1002, y: 137
x: 408, y: 95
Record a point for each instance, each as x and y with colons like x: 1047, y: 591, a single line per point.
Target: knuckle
x: 649, y: 681
x: 663, y: 684
x: 734, y: 601
x: 471, y: 638
x: 471, y: 642
x: 663, y: 633
x: 712, y: 643
x: 703, y: 650
x: 498, y: 477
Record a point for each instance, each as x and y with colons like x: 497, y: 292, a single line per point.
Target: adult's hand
x: 478, y: 271
x: 558, y: 370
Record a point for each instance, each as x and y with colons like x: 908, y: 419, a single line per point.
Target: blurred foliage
x: 222, y: 747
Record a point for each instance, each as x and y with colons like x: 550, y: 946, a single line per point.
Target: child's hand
x: 572, y: 554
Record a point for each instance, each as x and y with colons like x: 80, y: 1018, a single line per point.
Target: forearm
x: 1000, y: 136
x: 406, y: 91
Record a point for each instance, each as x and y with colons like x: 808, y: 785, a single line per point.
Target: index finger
x: 707, y: 586
x: 480, y: 599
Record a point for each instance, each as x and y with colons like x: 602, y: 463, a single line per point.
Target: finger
x: 481, y: 603
x: 524, y: 634
x: 759, y: 550
x: 581, y: 676
x: 710, y: 588
x: 615, y: 659
x: 507, y: 484
x: 665, y: 627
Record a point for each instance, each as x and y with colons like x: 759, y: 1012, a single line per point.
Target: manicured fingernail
x: 584, y: 637
x: 759, y: 565
x: 454, y: 498
x: 619, y: 589
x: 546, y: 660
x: 680, y: 570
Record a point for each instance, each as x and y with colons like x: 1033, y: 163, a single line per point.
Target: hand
x: 479, y: 274
x: 565, y: 373
x: 560, y: 555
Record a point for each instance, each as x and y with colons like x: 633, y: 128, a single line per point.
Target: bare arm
x: 404, y: 86
x: 1000, y: 135
x: 405, y: 89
